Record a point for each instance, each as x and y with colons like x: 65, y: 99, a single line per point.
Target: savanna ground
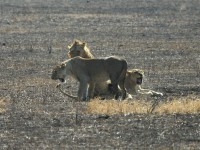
x: 159, y: 36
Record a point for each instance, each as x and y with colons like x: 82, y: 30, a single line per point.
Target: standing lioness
x: 90, y: 72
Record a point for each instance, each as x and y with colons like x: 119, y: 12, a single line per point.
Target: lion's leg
x: 79, y: 92
x: 115, y: 90
x: 156, y: 93
x: 149, y: 92
x: 82, y: 91
x: 121, y: 85
x: 91, y: 90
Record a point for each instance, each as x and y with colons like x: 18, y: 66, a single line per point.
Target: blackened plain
x: 160, y: 36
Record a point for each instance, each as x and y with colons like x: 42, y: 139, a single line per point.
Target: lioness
x: 90, y: 72
x: 133, y: 81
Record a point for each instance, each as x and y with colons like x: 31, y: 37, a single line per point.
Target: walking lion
x: 91, y: 72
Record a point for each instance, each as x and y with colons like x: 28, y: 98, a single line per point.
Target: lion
x: 133, y: 80
x: 78, y: 48
x: 89, y: 72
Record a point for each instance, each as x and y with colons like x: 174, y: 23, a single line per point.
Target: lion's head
x: 59, y: 73
x: 78, y: 48
x: 135, y: 76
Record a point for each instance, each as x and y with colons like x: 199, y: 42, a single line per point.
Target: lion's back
x: 99, y: 69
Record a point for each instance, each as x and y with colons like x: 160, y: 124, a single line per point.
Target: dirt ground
x: 159, y: 36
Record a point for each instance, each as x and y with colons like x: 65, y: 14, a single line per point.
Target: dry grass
x: 181, y: 105
x: 4, y: 101
x: 116, y: 107
x: 187, y: 104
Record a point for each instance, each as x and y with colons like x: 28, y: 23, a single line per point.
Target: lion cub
x: 90, y: 72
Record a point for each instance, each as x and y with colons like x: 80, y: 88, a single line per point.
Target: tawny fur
x: 91, y: 72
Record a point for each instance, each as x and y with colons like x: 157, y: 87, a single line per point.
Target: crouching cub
x: 89, y: 72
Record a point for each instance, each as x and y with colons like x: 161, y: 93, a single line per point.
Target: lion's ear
x: 75, y: 42
x: 141, y: 71
x: 69, y: 46
x: 128, y: 72
x: 84, y: 44
x: 62, y: 65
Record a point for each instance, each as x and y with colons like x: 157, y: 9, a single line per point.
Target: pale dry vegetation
x: 180, y: 105
x: 117, y: 107
x: 189, y: 104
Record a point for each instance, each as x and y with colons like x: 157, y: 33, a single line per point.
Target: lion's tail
x: 66, y: 94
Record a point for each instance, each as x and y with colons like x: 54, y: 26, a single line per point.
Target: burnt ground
x: 161, y: 37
